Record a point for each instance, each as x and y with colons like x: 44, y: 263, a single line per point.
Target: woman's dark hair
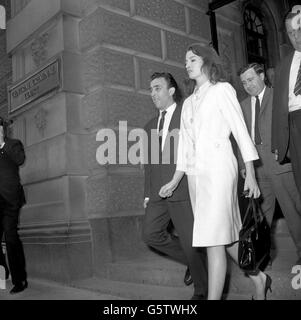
x: 171, y: 83
x: 212, y: 64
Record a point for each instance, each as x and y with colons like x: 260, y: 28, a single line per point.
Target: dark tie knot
x: 163, y: 114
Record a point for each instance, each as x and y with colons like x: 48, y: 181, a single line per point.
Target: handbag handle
x: 256, y: 211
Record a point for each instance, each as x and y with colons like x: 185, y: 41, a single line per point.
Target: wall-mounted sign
x: 42, y: 82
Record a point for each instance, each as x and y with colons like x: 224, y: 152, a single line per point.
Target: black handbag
x: 254, y: 239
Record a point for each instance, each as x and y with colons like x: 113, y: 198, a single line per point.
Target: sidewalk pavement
x: 48, y: 290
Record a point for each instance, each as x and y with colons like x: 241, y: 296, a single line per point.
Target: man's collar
x: 169, y: 109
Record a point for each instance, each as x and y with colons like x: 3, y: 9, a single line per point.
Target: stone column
x: 45, y: 98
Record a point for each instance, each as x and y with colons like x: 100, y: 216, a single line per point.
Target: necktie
x: 161, y: 124
x: 297, y: 89
x: 257, y: 111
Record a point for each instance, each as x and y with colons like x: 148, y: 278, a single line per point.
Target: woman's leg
x: 217, y: 267
x: 259, y: 280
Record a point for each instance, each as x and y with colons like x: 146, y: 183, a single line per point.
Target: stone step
x: 134, y: 291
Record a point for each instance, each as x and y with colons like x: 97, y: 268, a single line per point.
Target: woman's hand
x: 251, y: 187
x: 168, y: 189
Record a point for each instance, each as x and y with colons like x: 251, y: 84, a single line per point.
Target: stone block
x: 76, y: 154
x: 46, y: 120
x: 177, y: 46
x: 77, y: 197
x: 106, y: 107
x: 59, y: 262
x: 125, y: 234
x: 147, y: 68
x: 120, y: 4
x: 3, y: 92
x: 97, y: 196
x: 103, y: 26
x: 35, y: 14
x: 103, y: 66
x: 201, y: 4
x: 5, y: 66
x: 45, y: 160
x: 167, y: 12
x: 200, y: 24
x: 101, y: 240
x: 114, y: 194
x: 45, y: 202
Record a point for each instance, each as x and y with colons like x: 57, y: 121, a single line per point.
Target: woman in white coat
x: 209, y: 116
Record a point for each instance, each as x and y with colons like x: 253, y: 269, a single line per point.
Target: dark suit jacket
x: 266, y: 157
x: 12, y: 155
x: 280, y: 123
x: 156, y: 175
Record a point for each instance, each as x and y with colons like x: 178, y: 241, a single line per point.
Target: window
x: 255, y: 36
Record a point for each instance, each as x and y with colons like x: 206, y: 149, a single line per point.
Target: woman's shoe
x: 268, y: 285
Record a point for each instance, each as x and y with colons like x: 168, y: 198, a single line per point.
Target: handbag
x: 254, y: 239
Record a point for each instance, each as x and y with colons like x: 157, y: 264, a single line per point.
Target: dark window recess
x: 255, y: 36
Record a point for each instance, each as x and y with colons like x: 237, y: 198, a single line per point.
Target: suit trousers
x: 9, y: 218
x: 283, y: 188
x: 155, y: 234
x: 295, y: 145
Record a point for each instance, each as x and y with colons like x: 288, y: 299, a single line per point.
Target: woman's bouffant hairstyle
x: 212, y: 65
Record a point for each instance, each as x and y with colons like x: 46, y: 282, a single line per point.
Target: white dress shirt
x: 253, y: 103
x: 169, y: 112
x: 294, y: 102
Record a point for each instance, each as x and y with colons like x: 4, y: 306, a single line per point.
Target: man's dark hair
x: 258, y: 68
x: 171, y: 83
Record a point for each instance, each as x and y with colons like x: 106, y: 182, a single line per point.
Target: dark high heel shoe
x: 268, y: 285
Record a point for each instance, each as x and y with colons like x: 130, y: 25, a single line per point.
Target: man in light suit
x: 176, y: 208
x: 286, y: 121
x: 275, y: 181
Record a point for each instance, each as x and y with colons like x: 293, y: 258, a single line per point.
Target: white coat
x: 205, y: 154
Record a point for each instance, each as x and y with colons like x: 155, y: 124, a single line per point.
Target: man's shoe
x: 198, y: 297
x: 187, y: 278
x: 19, y: 287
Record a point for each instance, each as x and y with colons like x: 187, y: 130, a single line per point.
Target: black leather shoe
x: 187, y: 278
x: 19, y: 287
x: 198, y: 297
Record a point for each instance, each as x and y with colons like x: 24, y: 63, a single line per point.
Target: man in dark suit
x: 162, y: 143
x: 274, y: 180
x: 11, y: 200
x: 286, y: 121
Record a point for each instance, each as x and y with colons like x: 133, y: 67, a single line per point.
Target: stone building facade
x: 72, y: 67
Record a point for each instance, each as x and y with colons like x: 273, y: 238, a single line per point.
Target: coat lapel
x: 265, y: 100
